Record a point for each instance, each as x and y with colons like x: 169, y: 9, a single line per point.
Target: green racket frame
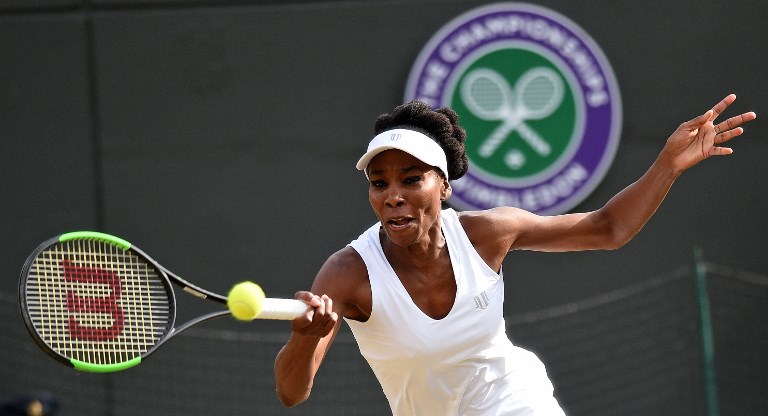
x: 74, y: 350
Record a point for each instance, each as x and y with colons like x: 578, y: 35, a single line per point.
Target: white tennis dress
x: 463, y: 364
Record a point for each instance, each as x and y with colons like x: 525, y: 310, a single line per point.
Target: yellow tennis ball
x: 244, y: 301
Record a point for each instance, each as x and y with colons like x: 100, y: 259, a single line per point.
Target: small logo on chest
x: 482, y: 301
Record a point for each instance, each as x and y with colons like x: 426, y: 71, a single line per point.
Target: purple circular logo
x: 538, y: 99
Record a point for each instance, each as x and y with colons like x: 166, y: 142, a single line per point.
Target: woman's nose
x: 395, y: 198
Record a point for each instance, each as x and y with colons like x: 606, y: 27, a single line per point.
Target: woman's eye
x: 378, y: 183
x: 412, y: 179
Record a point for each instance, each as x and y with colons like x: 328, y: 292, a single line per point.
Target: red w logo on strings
x: 105, y: 305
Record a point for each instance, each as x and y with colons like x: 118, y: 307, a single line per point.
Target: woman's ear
x: 446, y: 191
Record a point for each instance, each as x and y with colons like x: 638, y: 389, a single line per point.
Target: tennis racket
x: 99, y: 304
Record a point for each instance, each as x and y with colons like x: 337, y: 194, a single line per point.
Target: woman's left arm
x: 625, y: 214
x: 691, y: 143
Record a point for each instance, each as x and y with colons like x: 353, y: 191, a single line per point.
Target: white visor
x: 416, y: 144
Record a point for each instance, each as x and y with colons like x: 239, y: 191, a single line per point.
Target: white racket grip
x: 282, y: 309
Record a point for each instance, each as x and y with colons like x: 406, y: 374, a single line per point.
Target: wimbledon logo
x: 538, y: 99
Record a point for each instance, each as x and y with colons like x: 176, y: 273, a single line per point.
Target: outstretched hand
x: 700, y: 138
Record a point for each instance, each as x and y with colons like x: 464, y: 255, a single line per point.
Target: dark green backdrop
x: 221, y: 136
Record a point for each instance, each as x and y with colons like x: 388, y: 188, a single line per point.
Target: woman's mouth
x: 399, y: 223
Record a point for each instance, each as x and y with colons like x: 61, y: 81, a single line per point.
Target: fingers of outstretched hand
x: 715, y: 112
x: 694, y: 124
x: 734, y: 122
x: 729, y: 129
x: 699, y: 138
x: 722, y: 105
x: 728, y: 135
x: 719, y: 151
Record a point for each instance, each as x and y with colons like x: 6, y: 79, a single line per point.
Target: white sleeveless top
x: 463, y: 364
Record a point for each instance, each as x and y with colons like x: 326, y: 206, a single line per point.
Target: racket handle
x: 282, y: 309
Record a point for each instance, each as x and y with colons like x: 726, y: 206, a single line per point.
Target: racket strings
x: 96, y: 303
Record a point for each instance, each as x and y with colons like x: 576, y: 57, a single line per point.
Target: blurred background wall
x: 221, y: 136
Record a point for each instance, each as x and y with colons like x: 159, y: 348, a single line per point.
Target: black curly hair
x: 442, y: 125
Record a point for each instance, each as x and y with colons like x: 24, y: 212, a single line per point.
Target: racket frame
x: 165, y: 277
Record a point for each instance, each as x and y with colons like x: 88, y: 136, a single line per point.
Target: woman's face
x: 406, y: 195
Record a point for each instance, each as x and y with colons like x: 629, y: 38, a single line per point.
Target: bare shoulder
x: 342, y: 267
x: 493, y: 232
x: 497, y: 222
x: 344, y: 277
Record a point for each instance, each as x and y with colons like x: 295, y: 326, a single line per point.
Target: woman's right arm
x: 298, y: 361
x: 335, y: 287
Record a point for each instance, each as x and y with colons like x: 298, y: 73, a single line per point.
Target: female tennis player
x: 422, y: 289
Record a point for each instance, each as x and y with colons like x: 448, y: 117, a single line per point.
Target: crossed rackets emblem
x: 535, y: 96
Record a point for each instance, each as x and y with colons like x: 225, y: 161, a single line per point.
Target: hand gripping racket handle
x: 282, y: 309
